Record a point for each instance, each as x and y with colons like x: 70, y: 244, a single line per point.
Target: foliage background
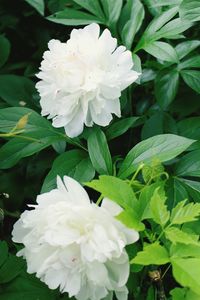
x: 164, y: 101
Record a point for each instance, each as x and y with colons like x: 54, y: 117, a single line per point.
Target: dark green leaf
x: 162, y: 50
x: 166, y: 86
x: 92, y: 6
x: 4, y: 50
x: 162, y: 147
x: 192, y: 78
x: 38, y: 5
x: 190, y: 10
x: 74, y: 163
x: 119, y: 127
x: 186, y: 47
x: 99, y: 152
x: 70, y: 16
x: 189, y: 164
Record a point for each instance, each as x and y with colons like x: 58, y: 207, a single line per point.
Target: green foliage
x: 138, y: 161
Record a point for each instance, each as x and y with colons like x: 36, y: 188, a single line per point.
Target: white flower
x: 74, y: 244
x: 82, y: 80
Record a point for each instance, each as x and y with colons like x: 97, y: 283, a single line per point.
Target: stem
x: 136, y: 173
x: 99, y: 200
x: 165, y: 272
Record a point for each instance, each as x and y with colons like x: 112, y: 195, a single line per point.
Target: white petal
x: 75, y: 191
x: 113, y: 208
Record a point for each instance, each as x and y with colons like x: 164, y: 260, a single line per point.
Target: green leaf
x: 189, y: 164
x: 162, y: 147
x: 119, y: 127
x: 166, y: 86
x: 38, y: 134
x: 74, y: 163
x: 176, y: 235
x: 186, y: 47
x: 38, y: 5
x: 162, y: 50
x: 92, y: 6
x: 192, y: 62
x: 130, y: 219
x: 185, y: 213
x: 190, y: 10
x: 11, y: 268
x: 73, y: 17
x: 152, y: 254
x: 193, y: 188
x: 3, y: 252
x: 187, y: 272
x: 99, y: 152
x: 4, y: 50
x: 192, y: 78
x: 159, y: 211
x: 115, y: 189
x: 22, y: 90
x: 134, y: 12
x: 112, y: 10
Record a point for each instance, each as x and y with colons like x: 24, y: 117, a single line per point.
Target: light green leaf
x: 119, y: 127
x: 176, y: 235
x: 70, y: 16
x: 152, y: 254
x: 187, y: 272
x: 178, y: 293
x: 189, y: 164
x: 185, y: 213
x: 192, y: 62
x: 74, y: 163
x: 134, y: 11
x: 38, y: 5
x: 99, y: 152
x: 115, y: 189
x: 166, y: 86
x: 192, y: 78
x: 130, y: 219
x: 162, y: 50
x: 162, y: 147
x: 146, y: 194
x: 4, y: 50
x: 92, y: 6
x: 190, y: 10
x: 186, y: 47
x: 159, y: 211
x: 184, y: 251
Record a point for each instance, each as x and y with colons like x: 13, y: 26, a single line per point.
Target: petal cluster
x: 74, y: 244
x: 81, y: 80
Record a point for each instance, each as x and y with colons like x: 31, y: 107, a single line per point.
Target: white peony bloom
x: 74, y: 244
x: 82, y: 80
